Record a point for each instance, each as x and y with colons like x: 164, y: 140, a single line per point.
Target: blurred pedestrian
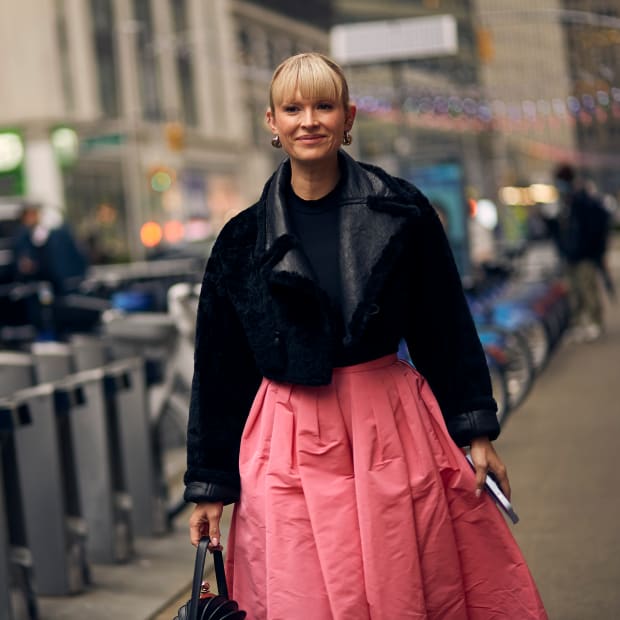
x: 46, y: 253
x: 353, y: 496
x: 581, y: 234
x: 26, y: 250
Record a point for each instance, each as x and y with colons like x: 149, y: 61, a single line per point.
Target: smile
x: 310, y: 139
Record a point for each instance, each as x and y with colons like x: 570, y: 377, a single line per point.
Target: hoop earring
x: 348, y: 138
x: 275, y: 142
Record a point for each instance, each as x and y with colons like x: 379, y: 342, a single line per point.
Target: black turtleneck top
x: 316, y: 224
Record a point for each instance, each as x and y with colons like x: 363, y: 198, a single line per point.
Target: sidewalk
x: 560, y: 447
x: 149, y: 586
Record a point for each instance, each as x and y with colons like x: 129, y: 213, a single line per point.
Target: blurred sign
x: 65, y: 143
x: 175, y: 136
x: 11, y: 164
x: 484, y: 41
x: 444, y: 185
x: 398, y: 39
x: 104, y: 141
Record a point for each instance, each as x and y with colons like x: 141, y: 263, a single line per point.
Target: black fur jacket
x: 261, y: 314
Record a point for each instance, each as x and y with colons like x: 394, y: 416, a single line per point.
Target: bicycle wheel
x: 500, y: 391
x: 510, y: 351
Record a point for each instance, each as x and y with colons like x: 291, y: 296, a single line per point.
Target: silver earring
x: 275, y: 142
x: 348, y: 138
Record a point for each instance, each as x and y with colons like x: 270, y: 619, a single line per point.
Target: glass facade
x: 148, y: 78
x: 183, y: 60
x: 104, y: 29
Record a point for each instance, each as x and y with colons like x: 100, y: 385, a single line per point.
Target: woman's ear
x: 350, y: 116
x: 271, y: 120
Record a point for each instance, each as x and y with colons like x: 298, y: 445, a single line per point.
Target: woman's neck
x: 314, y: 182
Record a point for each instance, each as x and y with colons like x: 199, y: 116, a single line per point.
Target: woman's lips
x: 310, y: 138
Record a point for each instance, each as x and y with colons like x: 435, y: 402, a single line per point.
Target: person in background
x: 50, y: 254
x: 353, y: 497
x: 581, y: 232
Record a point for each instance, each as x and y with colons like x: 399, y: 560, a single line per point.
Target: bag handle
x: 199, y: 568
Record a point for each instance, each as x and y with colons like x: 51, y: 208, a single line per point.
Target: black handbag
x: 208, y: 606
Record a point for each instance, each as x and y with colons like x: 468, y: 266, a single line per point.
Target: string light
x: 471, y: 113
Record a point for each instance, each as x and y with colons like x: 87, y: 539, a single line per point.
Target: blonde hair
x: 314, y: 75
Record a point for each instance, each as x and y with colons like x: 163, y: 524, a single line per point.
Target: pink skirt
x: 357, y: 505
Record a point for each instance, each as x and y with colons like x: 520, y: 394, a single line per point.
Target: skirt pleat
x: 356, y: 504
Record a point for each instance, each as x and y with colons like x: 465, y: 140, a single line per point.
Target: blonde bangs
x: 313, y: 75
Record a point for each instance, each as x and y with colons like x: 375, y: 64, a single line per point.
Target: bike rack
x: 45, y: 467
x: 17, y: 592
x: 94, y: 428
x: 151, y: 336
x: 154, y: 338
x: 98, y: 466
x: 52, y: 361
x: 88, y: 352
x: 16, y: 372
x: 126, y: 401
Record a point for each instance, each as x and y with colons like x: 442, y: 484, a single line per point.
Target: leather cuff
x: 466, y: 426
x: 198, y: 492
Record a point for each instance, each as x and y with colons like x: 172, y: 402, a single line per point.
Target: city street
x: 291, y: 157
x: 560, y: 447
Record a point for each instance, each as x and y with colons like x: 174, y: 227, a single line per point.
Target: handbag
x: 203, y: 605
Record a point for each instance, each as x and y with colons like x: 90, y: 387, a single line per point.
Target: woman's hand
x: 486, y: 459
x: 205, y: 521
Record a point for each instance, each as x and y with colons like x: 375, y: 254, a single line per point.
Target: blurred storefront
x: 121, y: 114
x: 125, y: 113
x: 496, y: 90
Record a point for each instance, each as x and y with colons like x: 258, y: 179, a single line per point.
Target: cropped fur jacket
x: 261, y: 314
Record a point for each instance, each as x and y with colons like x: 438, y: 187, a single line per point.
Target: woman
x: 353, y: 498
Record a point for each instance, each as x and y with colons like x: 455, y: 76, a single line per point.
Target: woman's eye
x: 290, y: 108
x: 325, y: 106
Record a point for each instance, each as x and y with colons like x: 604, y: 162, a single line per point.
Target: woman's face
x: 310, y: 130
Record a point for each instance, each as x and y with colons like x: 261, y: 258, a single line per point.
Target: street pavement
x: 561, y: 449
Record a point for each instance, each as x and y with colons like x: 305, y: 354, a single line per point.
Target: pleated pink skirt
x: 356, y: 505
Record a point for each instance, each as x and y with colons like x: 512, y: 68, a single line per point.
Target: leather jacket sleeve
x: 224, y: 385
x: 443, y: 341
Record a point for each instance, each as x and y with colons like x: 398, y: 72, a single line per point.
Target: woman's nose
x: 308, y: 117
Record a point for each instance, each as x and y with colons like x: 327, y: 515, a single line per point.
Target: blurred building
x: 495, y: 96
x: 526, y: 80
x: 132, y: 112
x: 128, y: 112
x: 317, y: 12
x: 592, y: 32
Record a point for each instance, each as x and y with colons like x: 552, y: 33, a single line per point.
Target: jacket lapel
x: 373, y: 221
x: 284, y: 254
